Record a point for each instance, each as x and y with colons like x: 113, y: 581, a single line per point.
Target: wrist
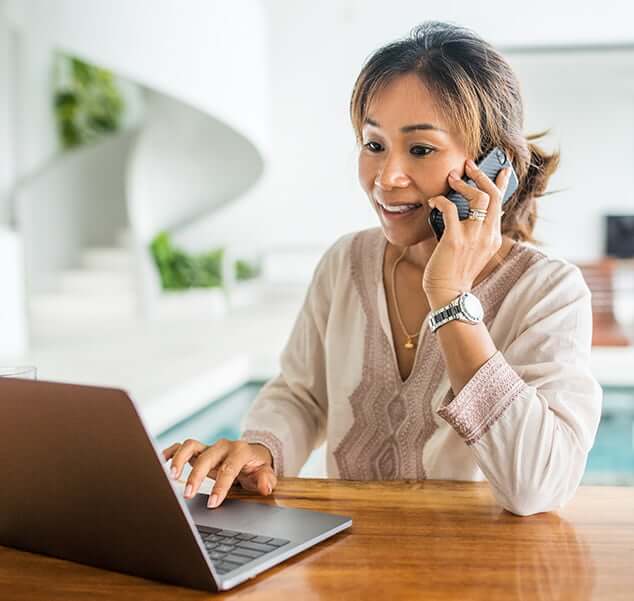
x: 440, y: 297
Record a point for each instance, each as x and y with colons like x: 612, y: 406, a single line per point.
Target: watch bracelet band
x: 445, y: 314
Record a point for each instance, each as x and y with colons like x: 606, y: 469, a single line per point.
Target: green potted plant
x: 87, y: 101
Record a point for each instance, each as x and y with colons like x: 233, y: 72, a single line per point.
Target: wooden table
x: 409, y: 540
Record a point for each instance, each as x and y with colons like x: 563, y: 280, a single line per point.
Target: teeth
x: 401, y: 209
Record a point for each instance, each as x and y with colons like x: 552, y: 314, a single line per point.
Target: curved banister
x: 204, y: 65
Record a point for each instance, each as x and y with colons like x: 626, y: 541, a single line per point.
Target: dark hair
x: 477, y: 91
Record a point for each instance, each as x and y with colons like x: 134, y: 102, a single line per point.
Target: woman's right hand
x: 224, y: 461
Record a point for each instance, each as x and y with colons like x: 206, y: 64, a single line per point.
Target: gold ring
x: 477, y: 214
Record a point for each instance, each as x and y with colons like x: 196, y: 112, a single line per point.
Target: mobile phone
x: 491, y: 163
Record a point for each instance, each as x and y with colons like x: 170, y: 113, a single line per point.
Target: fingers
x: 224, y: 461
x: 169, y: 451
x: 449, y: 213
x: 267, y: 480
x: 494, y: 217
x: 478, y: 199
x: 488, y: 195
x: 205, y: 463
x: 484, y: 183
x: 227, y: 472
x: 262, y: 480
x: 190, y: 448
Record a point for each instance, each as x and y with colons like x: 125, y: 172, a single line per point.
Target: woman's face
x: 406, y: 155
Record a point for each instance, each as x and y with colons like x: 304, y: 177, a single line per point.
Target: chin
x: 407, y: 236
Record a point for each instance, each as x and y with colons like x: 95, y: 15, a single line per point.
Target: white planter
x: 13, y: 340
x: 199, y: 303
x: 242, y: 293
x: 246, y: 293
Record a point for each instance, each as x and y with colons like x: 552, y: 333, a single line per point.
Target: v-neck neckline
x: 424, y: 331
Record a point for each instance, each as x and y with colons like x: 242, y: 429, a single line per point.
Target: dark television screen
x: 620, y: 236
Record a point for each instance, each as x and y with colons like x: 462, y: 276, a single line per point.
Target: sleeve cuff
x: 483, y: 399
x: 271, y: 442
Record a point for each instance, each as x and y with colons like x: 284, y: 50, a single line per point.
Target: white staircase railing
x: 205, y: 137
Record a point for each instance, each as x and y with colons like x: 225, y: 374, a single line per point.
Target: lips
x: 392, y: 215
x: 399, y: 204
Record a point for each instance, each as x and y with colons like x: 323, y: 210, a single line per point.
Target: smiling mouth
x: 400, y: 209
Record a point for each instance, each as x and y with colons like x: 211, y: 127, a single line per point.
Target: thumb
x: 261, y: 480
x: 266, y: 480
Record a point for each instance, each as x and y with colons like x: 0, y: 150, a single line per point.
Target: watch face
x: 471, y: 307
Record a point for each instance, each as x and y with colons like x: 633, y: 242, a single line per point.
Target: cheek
x: 432, y: 179
x: 366, y: 172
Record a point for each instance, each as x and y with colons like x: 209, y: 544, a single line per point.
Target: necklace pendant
x: 408, y: 343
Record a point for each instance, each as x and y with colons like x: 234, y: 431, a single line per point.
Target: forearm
x: 464, y: 347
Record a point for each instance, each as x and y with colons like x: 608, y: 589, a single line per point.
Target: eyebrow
x: 409, y: 128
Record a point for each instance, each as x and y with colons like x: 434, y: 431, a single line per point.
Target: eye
x: 417, y: 151
x: 372, y: 146
x: 420, y: 151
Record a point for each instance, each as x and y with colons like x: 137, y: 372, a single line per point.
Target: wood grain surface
x: 409, y: 540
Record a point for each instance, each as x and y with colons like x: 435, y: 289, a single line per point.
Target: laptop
x: 84, y: 481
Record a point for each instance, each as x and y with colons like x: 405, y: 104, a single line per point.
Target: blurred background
x: 172, y: 172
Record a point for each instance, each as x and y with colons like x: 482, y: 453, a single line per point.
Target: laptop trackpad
x: 261, y: 519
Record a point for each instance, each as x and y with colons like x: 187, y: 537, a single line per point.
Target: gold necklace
x: 409, y: 343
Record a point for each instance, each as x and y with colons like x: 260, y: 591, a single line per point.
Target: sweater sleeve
x: 530, y: 414
x: 289, y: 414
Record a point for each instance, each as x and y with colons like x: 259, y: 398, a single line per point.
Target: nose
x: 391, y: 175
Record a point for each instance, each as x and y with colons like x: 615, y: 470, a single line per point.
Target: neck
x: 418, y: 255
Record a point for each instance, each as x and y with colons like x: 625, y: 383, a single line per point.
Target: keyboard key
x: 261, y: 539
x: 247, y: 552
x: 224, y: 548
x: 207, y: 529
x: 245, y: 536
x: 227, y: 566
x: 278, y: 542
x: 215, y: 555
x: 239, y: 559
x: 229, y: 540
x: 247, y: 544
x: 227, y: 533
x: 210, y: 545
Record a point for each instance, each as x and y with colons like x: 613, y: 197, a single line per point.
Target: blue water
x: 610, y: 462
x: 220, y: 419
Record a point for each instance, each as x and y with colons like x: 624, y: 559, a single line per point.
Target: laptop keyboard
x: 230, y: 549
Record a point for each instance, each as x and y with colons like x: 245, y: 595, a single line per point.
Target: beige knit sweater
x: 525, y: 421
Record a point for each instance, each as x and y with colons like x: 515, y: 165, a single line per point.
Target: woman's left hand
x: 466, y: 246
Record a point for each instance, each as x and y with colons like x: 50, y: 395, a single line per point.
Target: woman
x: 509, y: 399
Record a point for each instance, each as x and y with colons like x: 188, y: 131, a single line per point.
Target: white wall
x: 588, y: 101
x: 37, y: 141
x: 310, y: 194
x: 6, y: 145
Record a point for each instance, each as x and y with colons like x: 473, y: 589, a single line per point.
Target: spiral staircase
x: 202, y: 143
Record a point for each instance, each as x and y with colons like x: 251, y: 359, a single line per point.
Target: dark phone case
x: 491, y: 164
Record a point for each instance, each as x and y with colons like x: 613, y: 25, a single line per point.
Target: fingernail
x: 213, y: 500
x: 188, y: 490
x: 453, y: 175
x: 471, y: 163
x: 173, y: 472
x: 270, y: 489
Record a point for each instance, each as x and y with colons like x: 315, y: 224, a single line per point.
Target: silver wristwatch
x: 465, y: 307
